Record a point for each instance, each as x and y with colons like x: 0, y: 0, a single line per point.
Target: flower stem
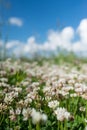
x: 38, y: 126
x: 29, y: 126
x: 65, y: 125
x: 2, y: 118
x: 58, y: 128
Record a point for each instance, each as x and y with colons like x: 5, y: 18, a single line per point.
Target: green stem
x: 38, y: 126
x: 62, y: 126
x: 65, y: 125
x: 58, y: 128
x: 2, y: 119
x: 86, y: 109
x: 29, y: 126
x: 76, y: 107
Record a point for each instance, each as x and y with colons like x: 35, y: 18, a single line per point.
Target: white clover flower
x: 64, y: 93
x: 78, y: 85
x: 53, y: 104
x: 15, y: 94
x: 86, y: 120
x: 8, y: 98
x: 34, y: 84
x: 26, y: 113
x: 27, y: 101
x: 61, y: 81
x: 85, y: 128
x: 44, y: 117
x: 62, y: 114
x: 18, y: 89
x: 2, y: 72
x: 46, y: 89
x: 21, y: 103
x: 11, y: 111
x: 25, y: 83
x: 36, y: 116
x: 82, y: 108
x: 18, y: 111
x: 11, y: 128
x: 73, y: 95
x: 81, y: 77
x: 31, y: 95
x: 67, y: 88
x: 3, y: 84
x: 78, y: 90
x: 12, y: 117
x: 48, y: 98
x: 71, y: 81
x: 3, y: 107
x: 4, y: 80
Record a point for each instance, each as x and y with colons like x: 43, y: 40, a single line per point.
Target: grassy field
x: 43, y: 94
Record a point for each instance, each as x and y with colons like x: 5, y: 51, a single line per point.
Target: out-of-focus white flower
x: 73, y: 95
x: 36, y: 116
x: 25, y: 83
x: 62, y: 114
x: 82, y: 108
x: 15, y: 94
x: 71, y: 81
x: 12, y: 115
x: 34, y: 84
x: 63, y: 93
x: 86, y: 120
x: 80, y: 88
x: 2, y: 107
x: 44, y: 117
x: 26, y: 113
x: 27, y: 101
x: 3, y: 73
x: 3, y: 79
x: 21, y: 103
x: 85, y: 128
x: 5, y: 85
x: 46, y: 89
x: 11, y: 111
x: 62, y: 80
x: 8, y: 98
x: 67, y: 88
x: 18, y: 89
x: 17, y: 127
x: 31, y: 95
x: 78, y: 85
x: 53, y: 104
x: 18, y: 111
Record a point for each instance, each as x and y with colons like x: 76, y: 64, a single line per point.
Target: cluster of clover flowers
x: 34, y: 96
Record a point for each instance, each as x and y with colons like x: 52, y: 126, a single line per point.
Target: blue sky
x: 37, y: 25
x: 39, y: 16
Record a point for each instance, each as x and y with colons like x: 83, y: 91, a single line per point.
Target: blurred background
x: 43, y: 29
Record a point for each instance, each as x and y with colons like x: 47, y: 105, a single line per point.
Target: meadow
x: 48, y: 94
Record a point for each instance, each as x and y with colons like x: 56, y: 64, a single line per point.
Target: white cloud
x: 59, y: 39
x: 12, y: 44
x: 82, y: 30
x: 67, y: 34
x: 31, y: 45
x: 62, y: 39
x: 81, y: 44
x: 15, y: 21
